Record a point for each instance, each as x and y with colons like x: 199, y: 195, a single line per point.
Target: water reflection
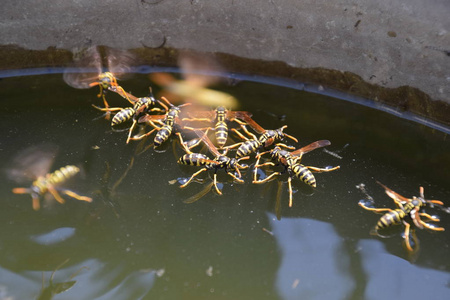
x: 389, y: 276
x: 82, y: 282
x: 313, y: 264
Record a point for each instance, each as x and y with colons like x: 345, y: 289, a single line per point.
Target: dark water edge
x: 216, y: 247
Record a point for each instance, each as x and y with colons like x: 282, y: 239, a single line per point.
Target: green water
x: 139, y: 240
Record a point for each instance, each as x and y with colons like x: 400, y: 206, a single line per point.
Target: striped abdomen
x: 123, y: 116
x: 247, y: 148
x: 162, y: 135
x: 304, y: 174
x: 221, y: 132
x: 391, y: 218
x: 193, y: 159
x: 59, y: 176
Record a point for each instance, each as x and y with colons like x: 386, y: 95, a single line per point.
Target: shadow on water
x: 142, y: 241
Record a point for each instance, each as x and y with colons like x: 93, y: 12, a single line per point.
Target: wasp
x: 199, y: 71
x: 167, y: 122
x: 140, y: 107
x: 220, y: 116
x: 406, y: 209
x: 33, y: 164
x: 108, y: 65
x: 267, y: 138
x: 221, y: 161
x: 291, y: 163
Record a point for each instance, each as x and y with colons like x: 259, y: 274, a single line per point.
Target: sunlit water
x: 139, y: 240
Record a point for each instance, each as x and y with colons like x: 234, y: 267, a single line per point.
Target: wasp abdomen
x: 193, y: 159
x: 123, y: 115
x: 247, y: 148
x: 162, y: 135
x: 221, y: 132
x: 391, y: 218
x: 304, y: 174
x: 62, y: 174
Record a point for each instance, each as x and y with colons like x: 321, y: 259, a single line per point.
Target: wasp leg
x: 183, y: 144
x: 426, y: 225
x: 243, y: 137
x: 431, y: 218
x: 215, y: 184
x: 290, y: 191
x: 76, y: 196
x: 377, y: 210
x: 235, y: 177
x: 238, y: 121
x: 248, y: 132
x: 55, y: 194
x: 36, y: 203
x: 285, y: 146
x: 267, y: 178
x: 140, y: 137
x: 406, y: 237
x: 192, y: 177
x: 108, y: 109
x: 319, y: 170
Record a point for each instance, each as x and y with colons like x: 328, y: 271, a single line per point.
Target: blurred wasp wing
x: 31, y: 163
x: 93, y: 61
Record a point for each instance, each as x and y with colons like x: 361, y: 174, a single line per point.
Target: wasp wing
x: 310, y: 147
x: 31, y: 163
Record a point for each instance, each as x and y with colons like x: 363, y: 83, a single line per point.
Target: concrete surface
x: 390, y: 43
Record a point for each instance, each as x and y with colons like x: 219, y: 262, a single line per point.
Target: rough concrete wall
x: 387, y: 42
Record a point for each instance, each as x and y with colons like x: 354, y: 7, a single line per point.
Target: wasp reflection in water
x: 33, y: 164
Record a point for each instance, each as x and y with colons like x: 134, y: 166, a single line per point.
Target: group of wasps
x: 167, y: 119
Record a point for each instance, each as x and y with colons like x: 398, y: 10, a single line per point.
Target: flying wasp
x: 406, y: 209
x: 108, y: 65
x: 140, y: 107
x: 33, y: 164
x: 220, y: 116
x: 291, y: 163
x: 221, y: 161
x: 267, y: 138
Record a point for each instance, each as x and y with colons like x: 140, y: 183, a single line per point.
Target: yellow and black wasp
x: 221, y: 161
x: 108, y: 64
x: 168, y: 124
x: 34, y: 163
x: 291, y: 163
x: 407, y: 209
x: 267, y: 138
x: 220, y: 116
x: 140, y: 107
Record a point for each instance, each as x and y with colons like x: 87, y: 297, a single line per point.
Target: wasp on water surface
x: 140, y: 107
x: 33, y: 164
x: 406, y: 209
x: 267, y: 138
x: 221, y: 161
x: 291, y: 163
x: 220, y: 116
x: 168, y: 122
x: 108, y: 64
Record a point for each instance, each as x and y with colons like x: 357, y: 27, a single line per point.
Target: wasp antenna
x: 167, y: 101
